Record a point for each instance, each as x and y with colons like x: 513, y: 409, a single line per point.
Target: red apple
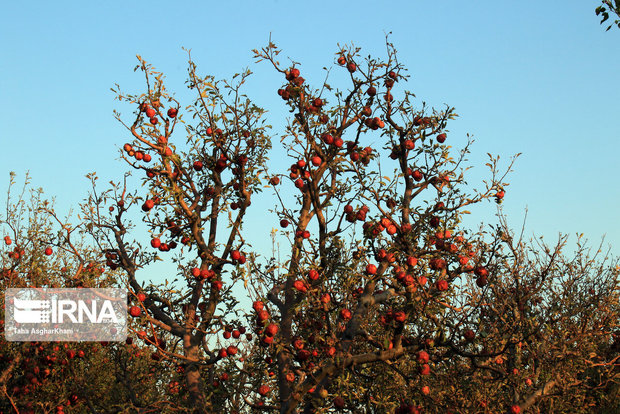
x: 442, y: 285
x: 264, y: 390
x: 469, y: 335
x: 345, y: 314
x: 271, y: 329
x: 313, y: 274
x: 423, y: 357
x: 135, y: 311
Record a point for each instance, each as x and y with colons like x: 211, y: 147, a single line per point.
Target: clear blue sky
x: 535, y: 77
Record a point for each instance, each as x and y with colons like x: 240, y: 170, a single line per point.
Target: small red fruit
x: 141, y: 297
x: 148, y: 204
x: 345, y: 314
x: 263, y: 390
x: 423, y: 357
x: 263, y: 315
x: 48, y: 251
x: 198, y: 165
x: 481, y: 271
x: 231, y: 350
x: 155, y: 242
x: 313, y: 274
x: 442, y: 285
x: 235, y: 255
x: 441, y: 138
x: 172, y: 112
x: 351, y: 67
x: 300, y: 286
x: 469, y: 335
x: 271, y: 329
x: 135, y: 311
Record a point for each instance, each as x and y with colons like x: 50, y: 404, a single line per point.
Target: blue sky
x: 534, y: 77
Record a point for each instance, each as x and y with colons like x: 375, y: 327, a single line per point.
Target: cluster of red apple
x: 229, y: 332
x: 208, y: 274
x: 162, y: 247
x: 112, y: 260
x: 237, y: 257
x: 359, y: 155
x: 385, y: 223
x: 231, y: 350
x: 135, y: 311
x: 351, y: 66
x: 138, y: 155
x: 17, y: 253
x: 423, y: 358
x: 399, y: 316
x: 262, y: 316
x: 300, y: 174
x: 303, y: 234
x: 152, y: 114
x: 202, y: 274
x: 37, y: 366
x: 407, y: 279
x: 360, y: 215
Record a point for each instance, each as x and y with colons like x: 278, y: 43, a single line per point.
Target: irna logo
x: 44, y: 314
x: 64, y: 311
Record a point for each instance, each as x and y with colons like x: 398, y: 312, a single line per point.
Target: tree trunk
x: 194, y: 382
